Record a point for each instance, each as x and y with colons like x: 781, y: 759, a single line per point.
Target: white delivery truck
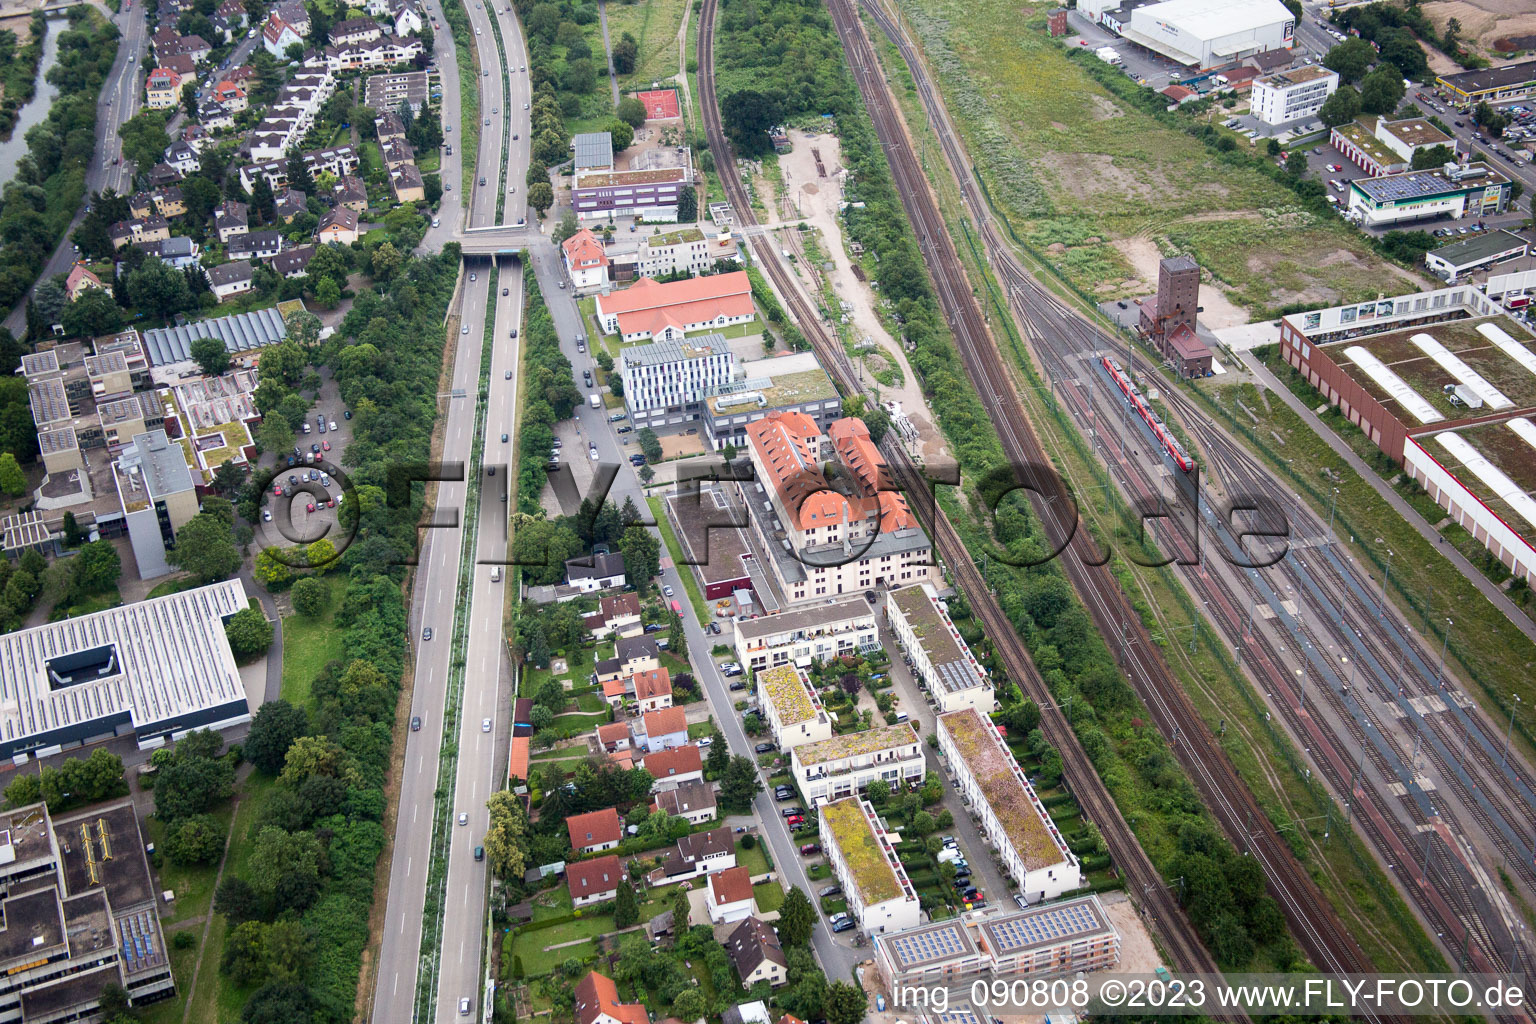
x: 596, y: 401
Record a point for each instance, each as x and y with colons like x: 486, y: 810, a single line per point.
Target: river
x: 14, y: 148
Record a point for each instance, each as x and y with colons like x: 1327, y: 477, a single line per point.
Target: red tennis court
x: 660, y: 104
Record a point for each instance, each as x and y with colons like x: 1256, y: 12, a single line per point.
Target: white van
x: 495, y: 574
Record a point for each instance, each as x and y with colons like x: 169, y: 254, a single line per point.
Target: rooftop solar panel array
x: 938, y: 943
x: 1045, y: 926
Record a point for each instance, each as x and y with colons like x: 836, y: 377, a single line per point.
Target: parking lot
x: 305, y: 492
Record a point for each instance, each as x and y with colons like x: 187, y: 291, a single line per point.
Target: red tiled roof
x: 597, y: 995
x: 613, y: 688
x: 731, y: 885
x: 664, y: 721
x: 613, y: 731
x: 666, y: 764
x: 594, y: 828
x: 584, y: 250
x: 647, y: 306
x: 593, y: 877
x: 1188, y: 343
x: 517, y: 767
x: 619, y: 605
x: 655, y: 683
x: 1178, y: 93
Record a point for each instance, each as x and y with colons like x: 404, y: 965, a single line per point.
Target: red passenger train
x: 1133, y: 395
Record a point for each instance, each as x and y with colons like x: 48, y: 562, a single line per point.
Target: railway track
x: 1174, y: 931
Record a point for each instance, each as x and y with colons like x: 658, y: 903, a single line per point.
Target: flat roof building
x: 1050, y: 938
x: 863, y: 857
x: 156, y: 669
x: 241, y: 332
x: 158, y: 495
x: 844, y: 625
x: 791, y: 708
x: 788, y: 383
x: 942, y: 662
x: 1495, y: 85
x: 387, y: 92
x: 1293, y: 95
x: 1408, y: 136
x: 592, y: 151
x: 1457, y: 190
x: 1209, y: 33
x: 845, y: 765
x: 666, y: 381
x: 1028, y: 843
x: 1468, y: 254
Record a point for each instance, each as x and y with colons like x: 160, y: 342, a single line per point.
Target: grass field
x: 654, y: 24
x: 308, y: 644
x: 1076, y: 172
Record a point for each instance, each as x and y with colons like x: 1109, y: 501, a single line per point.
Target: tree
x: 796, y: 918
x: 250, y: 634
x: 622, y: 134
x: 72, y: 534
x: 320, y: 554
x: 747, y: 115
x: 680, y: 910
x: 23, y: 790
x: 506, y: 839
x: 93, y: 314
x: 309, y: 756
x: 310, y: 597
x: 144, y: 138
x: 205, y: 548
x: 275, y: 434
x: 690, y: 1005
x: 677, y: 640
x: 1381, y: 90
x: 878, y: 421
x: 650, y: 444
x: 198, y: 839
x: 580, y: 76
x: 50, y: 299
x: 630, y: 110
x: 157, y: 289
x: 12, y: 480
x: 566, y: 228
x: 626, y: 53
x: 1351, y: 59
x: 719, y: 755
x: 740, y: 784
x: 687, y: 204
x: 245, y: 954
x: 541, y: 196
x: 845, y: 1004
x: 1340, y: 108
x: 1296, y: 163
x: 625, y: 911
x: 191, y: 785
x: 211, y: 355
x: 328, y: 293
x: 274, y: 728
x: 263, y: 202
x: 97, y: 567
x: 1432, y: 157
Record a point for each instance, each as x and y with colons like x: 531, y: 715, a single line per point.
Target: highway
x: 486, y: 682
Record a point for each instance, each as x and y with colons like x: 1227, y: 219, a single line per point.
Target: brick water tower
x: 1177, y: 299
x: 1057, y: 21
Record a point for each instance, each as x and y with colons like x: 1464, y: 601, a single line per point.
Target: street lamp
x: 1515, y: 699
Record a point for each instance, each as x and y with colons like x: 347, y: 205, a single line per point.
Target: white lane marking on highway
x: 396, y: 986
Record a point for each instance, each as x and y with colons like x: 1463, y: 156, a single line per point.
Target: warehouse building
x: 1479, y: 252
x: 242, y: 332
x: 1293, y: 95
x: 863, y: 857
x: 1495, y: 85
x: 1445, y: 385
x: 1205, y: 33
x: 155, y: 670
x: 1051, y: 938
x: 1012, y: 818
x: 1456, y: 190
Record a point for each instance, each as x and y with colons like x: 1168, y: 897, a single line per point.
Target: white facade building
x: 941, y: 659
x: 1028, y: 843
x: 1210, y: 33
x: 1293, y: 95
x: 791, y: 708
x: 673, y: 376
x: 847, y: 625
x: 863, y: 857
x: 840, y: 767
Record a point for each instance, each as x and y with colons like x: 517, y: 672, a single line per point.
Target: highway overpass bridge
x: 497, y: 241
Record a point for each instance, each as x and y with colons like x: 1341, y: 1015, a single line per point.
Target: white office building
x: 862, y: 853
x: 1012, y: 818
x: 1293, y: 95
x: 668, y: 380
x: 941, y: 659
x: 843, y: 766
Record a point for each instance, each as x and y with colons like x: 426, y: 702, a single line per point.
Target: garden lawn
x: 754, y: 860
x: 308, y: 646
x: 654, y: 24
x: 530, y: 946
x: 769, y: 896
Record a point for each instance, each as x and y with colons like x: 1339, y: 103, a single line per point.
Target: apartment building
x: 844, y: 766
x: 1012, y: 818
x: 941, y: 659
x: 863, y: 859
x: 844, y: 625
x: 790, y: 707
x: 1293, y: 95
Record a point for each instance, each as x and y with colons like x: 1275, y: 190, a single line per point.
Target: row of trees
x: 92, y: 571
x: 550, y: 390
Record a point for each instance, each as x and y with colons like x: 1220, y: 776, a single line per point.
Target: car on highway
x: 506, y: 291
x: 463, y: 818
x: 464, y: 329
x: 507, y: 375
x: 415, y: 723
x: 464, y: 1003
x: 472, y: 277
x: 485, y: 725
x: 482, y: 180
x: 426, y: 634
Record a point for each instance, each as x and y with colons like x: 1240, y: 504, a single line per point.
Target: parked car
x: 844, y: 925
x: 738, y: 685
x: 830, y: 891
x: 763, y: 748
x: 810, y: 848
x: 796, y: 821
x: 666, y: 589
